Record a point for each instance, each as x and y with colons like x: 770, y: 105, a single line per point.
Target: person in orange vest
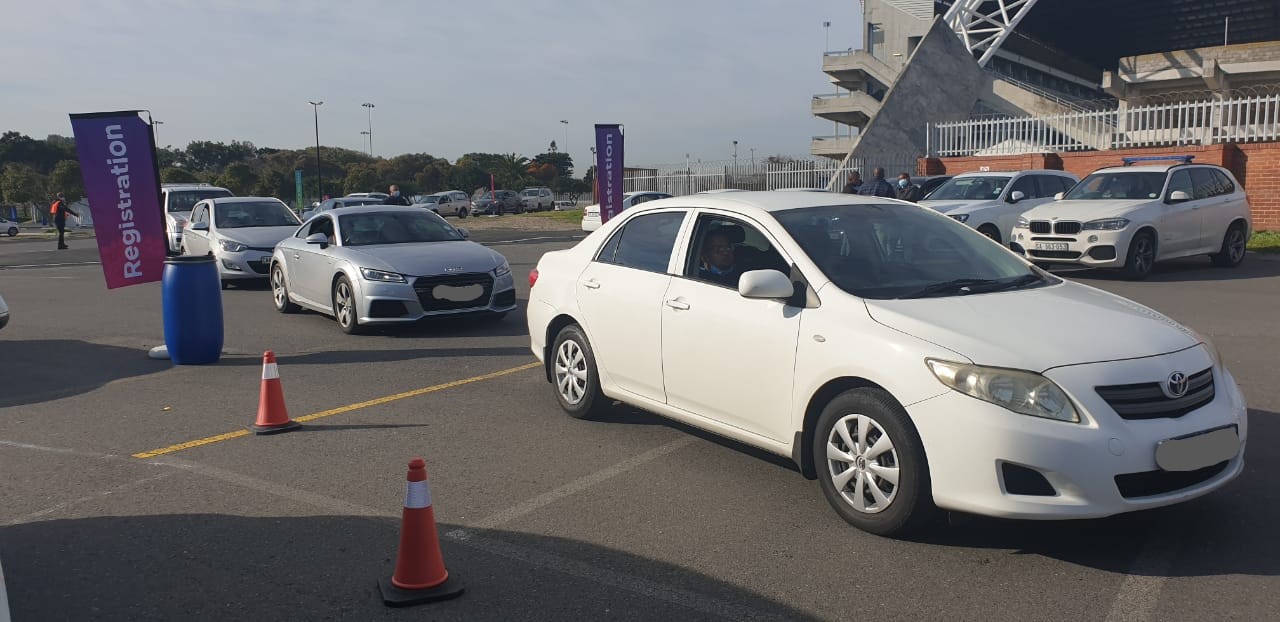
x: 59, y: 210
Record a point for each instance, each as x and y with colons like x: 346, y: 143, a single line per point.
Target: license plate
x: 266, y: 261
x: 1052, y: 246
x: 1199, y: 450
x: 454, y: 293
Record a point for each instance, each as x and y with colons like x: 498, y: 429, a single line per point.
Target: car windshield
x: 239, y: 215
x: 530, y: 193
x: 1118, y: 186
x: 184, y: 200
x: 977, y: 188
x: 427, y: 199
x: 399, y: 227
x: 886, y: 251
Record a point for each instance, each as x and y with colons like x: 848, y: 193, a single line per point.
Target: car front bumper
x: 1092, y: 248
x: 1103, y: 466
x: 399, y: 303
x: 244, y: 265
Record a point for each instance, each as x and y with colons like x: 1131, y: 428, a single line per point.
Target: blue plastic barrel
x: 192, y: 295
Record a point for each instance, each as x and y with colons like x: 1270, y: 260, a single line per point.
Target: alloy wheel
x: 277, y: 288
x: 862, y: 463
x: 1143, y: 256
x: 342, y: 303
x: 571, y: 372
x: 1235, y: 245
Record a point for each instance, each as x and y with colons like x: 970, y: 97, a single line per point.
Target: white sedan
x: 591, y: 214
x: 898, y: 356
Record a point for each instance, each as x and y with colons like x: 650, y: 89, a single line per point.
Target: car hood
x: 427, y: 258
x: 265, y: 237
x: 947, y: 206
x: 1084, y: 211
x: 1037, y: 329
x: 177, y: 215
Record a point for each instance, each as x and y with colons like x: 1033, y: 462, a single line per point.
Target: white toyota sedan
x: 904, y: 360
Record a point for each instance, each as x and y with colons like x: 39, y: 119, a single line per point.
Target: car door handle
x: 591, y: 284
x: 297, y: 256
x: 678, y: 305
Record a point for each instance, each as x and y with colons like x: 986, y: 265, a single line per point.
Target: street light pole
x: 155, y: 130
x: 369, y: 107
x: 826, y: 27
x: 315, y: 107
x: 368, y: 136
x: 566, y: 136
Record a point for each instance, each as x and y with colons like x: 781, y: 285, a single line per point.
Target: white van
x: 177, y: 201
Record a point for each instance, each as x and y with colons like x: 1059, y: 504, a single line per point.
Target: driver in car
x: 718, y: 261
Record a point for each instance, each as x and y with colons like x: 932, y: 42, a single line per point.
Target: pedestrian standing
x: 907, y: 191
x: 877, y: 187
x: 854, y: 183
x: 395, y: 198
x: 59, y: 211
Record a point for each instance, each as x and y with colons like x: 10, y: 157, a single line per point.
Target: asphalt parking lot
x: 541, y: 516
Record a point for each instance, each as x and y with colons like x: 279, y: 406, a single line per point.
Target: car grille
x: 259, y: 267
x: 1148, y: 401
x: 1041, y: 226
x: 1066, y: 228
x: 1151, y: 483
x: 263, y: 249
x: 1054, y: 254
x: 425, y: 286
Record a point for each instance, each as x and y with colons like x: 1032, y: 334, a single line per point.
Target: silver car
x: 241, y: 232
x: 4, y: 313
x: 388, y: 265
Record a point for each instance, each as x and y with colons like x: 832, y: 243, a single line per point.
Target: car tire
x: 1232, y: 252
x: 280, y: 291
x: 574, y: 373
x: 991, y: 232
x: 462, y: 213
x: 856, y: 487
x: 1141, y: 257
x: 12, y: 231
x: 345, y: 308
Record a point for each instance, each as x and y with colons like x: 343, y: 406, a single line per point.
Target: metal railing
x: 1239, y: 119
x: 771, y: 174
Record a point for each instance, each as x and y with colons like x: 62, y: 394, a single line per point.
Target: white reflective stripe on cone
x: 416, y: 495
x: 270, y: 371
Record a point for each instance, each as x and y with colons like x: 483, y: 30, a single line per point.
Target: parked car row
x: 1126, y: 217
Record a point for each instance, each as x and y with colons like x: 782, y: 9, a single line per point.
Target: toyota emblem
x: 1176, y: 386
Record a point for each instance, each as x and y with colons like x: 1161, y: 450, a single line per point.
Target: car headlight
x: 1023, y: 223
x: 1107, y: 224
x: 231, y: 246
x: 502, y: 270
x: 381, y: 276
x: 960, y: 217
x: 1022, y: 392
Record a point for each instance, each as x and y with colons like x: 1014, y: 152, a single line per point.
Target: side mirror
x: 1178, y: 196
x: 1016, y: 195
x: 318, y: 238
x: 466, y: 235
x: 765, y: 284
x: 1058, y: 197
x: 200, y: 226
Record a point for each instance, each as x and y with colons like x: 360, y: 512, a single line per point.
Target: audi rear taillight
x: 533, y: 277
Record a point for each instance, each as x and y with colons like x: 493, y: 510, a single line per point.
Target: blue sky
x: 446, y: 78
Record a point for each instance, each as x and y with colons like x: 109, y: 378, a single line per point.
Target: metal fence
x: 771, y: 174
x: 1237, y: 119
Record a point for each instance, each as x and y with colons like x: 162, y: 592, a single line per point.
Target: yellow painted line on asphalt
x: 337, y: 411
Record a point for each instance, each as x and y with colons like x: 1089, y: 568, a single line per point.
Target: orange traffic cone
x: 273, y: 417
x: 420, y: 576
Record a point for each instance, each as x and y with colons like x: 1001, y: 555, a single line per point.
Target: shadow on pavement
x: 1187, y: 270
x: 42, y: 370
x: 338, y: 357
x: 1223, y: 533
x: 221, y: 567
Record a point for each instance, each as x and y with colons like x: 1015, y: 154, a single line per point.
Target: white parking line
x: 26, y: 518
x: 1140, y: 591
x: 51, y: 265
x: 554, y: 238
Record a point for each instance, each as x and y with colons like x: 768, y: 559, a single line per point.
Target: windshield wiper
x: 953, y: 286
x: 1016, y: 282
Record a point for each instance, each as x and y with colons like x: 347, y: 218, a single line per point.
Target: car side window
x: 722, y: 249
x: 1180, y: 180
x: 1027, y: 186
x: 1224, y: 182
x: 324, y: 225
x: 1205, y: 184
x: 644, y: 242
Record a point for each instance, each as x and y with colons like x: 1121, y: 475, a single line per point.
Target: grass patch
x: 572, y: 216
x: 1265, y: 242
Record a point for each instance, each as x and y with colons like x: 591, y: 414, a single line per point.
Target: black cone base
x: 274, y: 429
x: 393, y: 596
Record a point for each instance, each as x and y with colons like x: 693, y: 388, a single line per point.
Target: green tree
x: 361, y: 178
x: 238, y: 178
x: 40, y: 155
x: 209, y: 156
x: 178, y: 176
x: 66, y: 179
x: 558, y: 159
x: 20, y: 183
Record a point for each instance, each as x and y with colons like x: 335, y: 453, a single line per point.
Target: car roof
x: 226, y: 200
x: 1038, y: 171
x: 191, y: 187
x: 373, y: 209
x: 1151, y: 168
x: 747, y: 202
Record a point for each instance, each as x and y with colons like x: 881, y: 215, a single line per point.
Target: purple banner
x: 117, y: 161
x: 609, y: 170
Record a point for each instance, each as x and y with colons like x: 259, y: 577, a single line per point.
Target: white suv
x: 538, y: 199
x: 178, y: 199
x: 1129, y: 217
x: 992, y: 202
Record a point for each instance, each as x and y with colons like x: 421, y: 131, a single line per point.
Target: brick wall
x: 1255, y: 165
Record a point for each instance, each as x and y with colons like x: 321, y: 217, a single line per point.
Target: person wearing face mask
x: 906, y: 190
x: 396, y: 198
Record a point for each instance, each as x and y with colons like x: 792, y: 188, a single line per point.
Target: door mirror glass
x: 318, y: 238
x: 765, y: 284
x: 466, y: 235
x: 1178, y: 196
x: 1058, y: 197
x: 200, y: 226
x: 1016, y: 195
